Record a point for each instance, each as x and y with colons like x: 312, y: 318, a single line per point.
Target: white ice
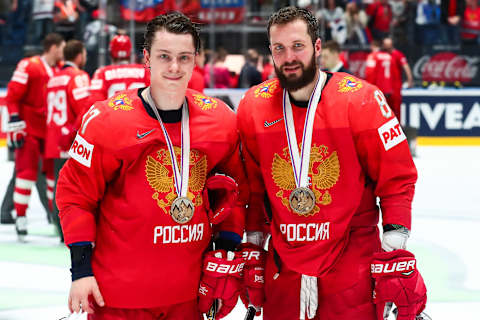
x: 445, y: 238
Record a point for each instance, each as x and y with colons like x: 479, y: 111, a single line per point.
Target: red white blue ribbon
x: 301, y: 162
x: 180, y: 178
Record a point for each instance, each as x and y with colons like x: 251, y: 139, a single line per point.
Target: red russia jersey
x: 26, y: 93
x: 114, y: 78
x: 359, y: 151
x: 118, y: 188
x: 379, y: 71
x: 67, y: 99
x: 471, y: 23
x: 399, y: 60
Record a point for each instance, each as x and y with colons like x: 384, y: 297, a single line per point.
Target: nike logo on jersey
x: 143, y: 135
x: 267, y: 124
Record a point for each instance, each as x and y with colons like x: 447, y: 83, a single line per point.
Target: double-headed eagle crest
x: 121, y: 101
x: 159, y: 174
x: 324, y: 170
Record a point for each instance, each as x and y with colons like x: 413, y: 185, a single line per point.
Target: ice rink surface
x: 34, y: 276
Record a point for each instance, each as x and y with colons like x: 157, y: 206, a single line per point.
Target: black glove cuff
x: 81, y: 256
x: 15, y: 118
x: 390, y: 227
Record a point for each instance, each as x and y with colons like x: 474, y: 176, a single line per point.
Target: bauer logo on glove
x: 398, y: 281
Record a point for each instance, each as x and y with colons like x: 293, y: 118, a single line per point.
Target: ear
x: 318, y: 47
x: 147, y: 58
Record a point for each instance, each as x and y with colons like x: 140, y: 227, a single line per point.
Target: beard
x: 292, y: 82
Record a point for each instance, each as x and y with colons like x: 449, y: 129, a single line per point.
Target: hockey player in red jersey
x: 319, y: 148
x: 26, y: 103
x: 399, y: 63
x: 121, y: 74
x: 68, y: 97
x: 380, y: 71
x: 140, y: 199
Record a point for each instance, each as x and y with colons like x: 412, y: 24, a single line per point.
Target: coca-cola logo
x: 446, y: 66
x: 356, y: 63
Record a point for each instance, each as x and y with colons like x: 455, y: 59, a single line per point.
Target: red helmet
x: 120, y: 47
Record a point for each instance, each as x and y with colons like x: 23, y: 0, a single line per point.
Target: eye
x: 278, y: 47
x: 164, y: 57
x: 185, y: 58
x: 298, y: 46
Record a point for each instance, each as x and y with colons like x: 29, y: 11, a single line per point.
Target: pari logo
x: 81, y: 151
x: 391, y: 134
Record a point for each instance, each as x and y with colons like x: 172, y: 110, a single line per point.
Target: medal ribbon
x: 300, y: 163
x: 180, y: 181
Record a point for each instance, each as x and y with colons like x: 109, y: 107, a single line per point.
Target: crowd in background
x: 23, y: 23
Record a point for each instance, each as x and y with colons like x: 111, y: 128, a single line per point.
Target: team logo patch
x: 391, y: 134
x: 324, y: 172
x: 122, y: 102
x: 82, y: 151
x: 159, y: 173
x: 349, y: 84
x: 266, y: 90
x: 204, y: 102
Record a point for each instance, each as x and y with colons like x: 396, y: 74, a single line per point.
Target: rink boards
x: 441, y: 116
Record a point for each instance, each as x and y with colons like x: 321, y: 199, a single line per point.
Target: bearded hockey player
x: 319, y: 148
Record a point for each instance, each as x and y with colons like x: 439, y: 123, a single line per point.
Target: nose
x: 174, y: 66
x: 289, y: 55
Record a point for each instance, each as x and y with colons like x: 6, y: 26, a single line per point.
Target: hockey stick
x: 212, y: 313
x: 250, y: 313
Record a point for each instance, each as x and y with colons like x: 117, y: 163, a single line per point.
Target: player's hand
x: 80, y: 290
x: 16, y: 131
x: 66, y: 138
x: 220, y: 280
x: 219, y: 196
x: 397, y: 280
x: 253, y: 276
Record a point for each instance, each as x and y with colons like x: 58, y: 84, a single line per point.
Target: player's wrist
x: 394, y: 237
x: 81, y: 259
x: 255, y: 237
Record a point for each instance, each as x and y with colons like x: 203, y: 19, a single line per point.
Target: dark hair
x: 52, y: 39
x: 174, y: 22
x: 72, y: 49
x: 288, y: 14
x: 331, y: 45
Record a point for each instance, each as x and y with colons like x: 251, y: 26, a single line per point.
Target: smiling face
x: 171, y: 60
x: 293, y: 53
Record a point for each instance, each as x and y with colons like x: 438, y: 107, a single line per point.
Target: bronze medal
x: 182, y: 210
x: 302, y: 201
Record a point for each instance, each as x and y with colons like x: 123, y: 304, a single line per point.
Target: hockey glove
x: 220, y: 280
x: 16, y: 131
x: 397, y: 280
x: 219, y: 196
x: 253, y: 276
x: 66, y: 138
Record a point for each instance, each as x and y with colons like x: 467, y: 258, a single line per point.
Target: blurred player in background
x: 139, y: 194
x: 68, y: 97
x: 380, y: 71
x: 121, y: 74
x: 319, y: 148
x: 400, y: 63
x: 330, y: 57
x: 26, y: 103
